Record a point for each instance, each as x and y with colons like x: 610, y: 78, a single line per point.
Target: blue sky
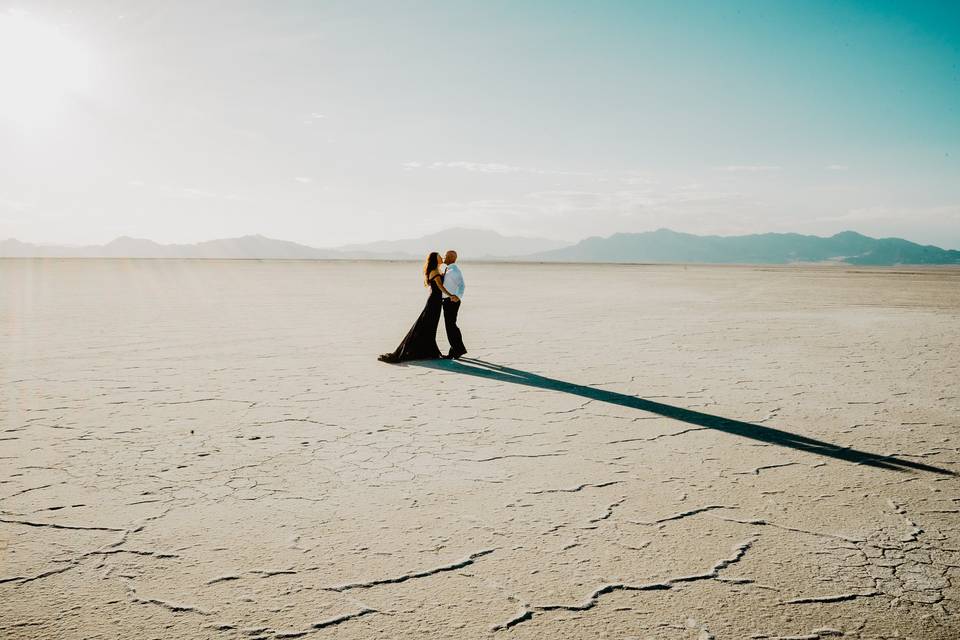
x: 336, y: 122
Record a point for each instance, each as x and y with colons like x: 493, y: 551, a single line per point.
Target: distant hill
x: 665, y: 245
x: 662, y: 245
x: 125, y: 247
x: 475, y: 243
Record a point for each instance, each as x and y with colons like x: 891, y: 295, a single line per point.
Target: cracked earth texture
x: 209, y: 449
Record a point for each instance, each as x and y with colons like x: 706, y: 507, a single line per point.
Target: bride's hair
x: 433, y: 261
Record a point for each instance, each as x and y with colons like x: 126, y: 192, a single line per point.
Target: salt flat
x: 209, y: 449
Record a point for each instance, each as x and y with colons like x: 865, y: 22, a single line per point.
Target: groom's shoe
x: 455, y: 356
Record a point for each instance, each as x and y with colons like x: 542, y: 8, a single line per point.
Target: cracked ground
x: 209, y: 449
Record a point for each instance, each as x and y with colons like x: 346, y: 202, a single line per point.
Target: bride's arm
x: 436, y: 278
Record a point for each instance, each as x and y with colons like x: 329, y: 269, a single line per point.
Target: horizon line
x: 357, y: 246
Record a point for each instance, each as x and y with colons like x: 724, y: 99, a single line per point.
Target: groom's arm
x: 457, y: 285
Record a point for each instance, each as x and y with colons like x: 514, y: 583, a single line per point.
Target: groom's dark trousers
x: 454, y: 337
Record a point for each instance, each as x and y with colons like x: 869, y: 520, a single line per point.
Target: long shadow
x: 492, y: 371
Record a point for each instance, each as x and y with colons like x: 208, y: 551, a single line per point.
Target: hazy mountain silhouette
x: 662, y: 245
x: 476, y: 243
x: 125, y: 247
x: 665, y: 245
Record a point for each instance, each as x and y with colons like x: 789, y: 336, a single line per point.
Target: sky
x: 329, y: 123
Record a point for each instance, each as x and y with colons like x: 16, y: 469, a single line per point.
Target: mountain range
x: 665, y: 245
x: 126, y: 247
x: 662, y: 245
x: 479, y: 244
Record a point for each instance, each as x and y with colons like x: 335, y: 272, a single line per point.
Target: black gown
x: 421, y: 341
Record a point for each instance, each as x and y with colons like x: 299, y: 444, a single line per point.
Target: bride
x: 421, y: 341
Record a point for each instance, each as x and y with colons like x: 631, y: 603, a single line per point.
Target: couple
x: 446, y: 289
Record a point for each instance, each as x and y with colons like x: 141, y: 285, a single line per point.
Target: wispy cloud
x: 625, y: 202
x: 314, y: 117
x: 489, y: 167
x: 836, y: 167
x: 205, y: 194
x: 749, y: 168
x: 585, y: 212
x: 945, y: 213
x: 187, y: 193
x: 13, y: 204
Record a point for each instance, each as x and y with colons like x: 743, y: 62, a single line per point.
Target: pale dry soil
x: 209, y: 449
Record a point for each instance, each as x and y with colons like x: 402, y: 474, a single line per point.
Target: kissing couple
x: 446, y: 289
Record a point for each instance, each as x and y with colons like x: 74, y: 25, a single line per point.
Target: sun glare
x: 41, y: 67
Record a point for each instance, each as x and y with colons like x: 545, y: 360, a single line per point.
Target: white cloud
x: 631, y: 178
x: 578, y: 213
x: 313, y: 117
x: 187, y: 193
x: 941, y: 213
x: 628, y: 201
x: 303, y: 179
x: 13, y: 204
x: 749, y: 168
x: 199, y: 193
x: 483, y: 167
x: 490, y: 167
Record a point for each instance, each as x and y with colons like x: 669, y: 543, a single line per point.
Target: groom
x: 453, y: 282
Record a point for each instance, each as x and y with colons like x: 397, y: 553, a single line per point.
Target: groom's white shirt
x: 453, y: 281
